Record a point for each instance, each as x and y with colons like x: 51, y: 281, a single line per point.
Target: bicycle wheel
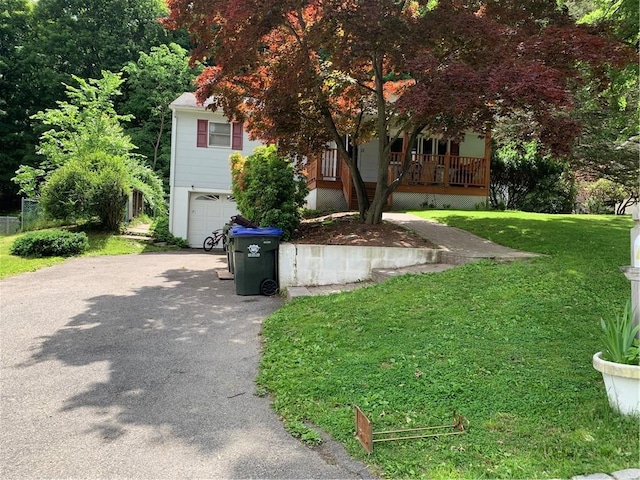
x: 208, y: 244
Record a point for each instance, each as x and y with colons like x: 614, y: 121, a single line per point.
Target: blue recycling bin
x: 255, y: 259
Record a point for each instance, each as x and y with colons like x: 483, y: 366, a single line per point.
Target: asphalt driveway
x: 140, y: 366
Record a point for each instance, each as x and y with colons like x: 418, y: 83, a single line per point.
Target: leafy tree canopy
x: 305, y: 72
x: 152, y: 83
x: 16, y: 138
x: 89, y: 166
x: 44, y: 42
x: 608, y: 107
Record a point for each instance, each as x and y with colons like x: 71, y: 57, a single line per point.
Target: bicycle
x: 214, y: 240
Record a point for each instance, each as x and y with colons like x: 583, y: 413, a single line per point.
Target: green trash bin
x: 255, y: 259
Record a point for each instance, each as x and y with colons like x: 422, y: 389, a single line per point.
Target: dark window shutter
x: 203, y: 133
x: 236, y: 136
x: 455, y: 149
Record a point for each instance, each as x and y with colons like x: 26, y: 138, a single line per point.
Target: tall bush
x: 97, y: 186
x: 268, y: 189
x: 524, y: 179
x: 89, y: 166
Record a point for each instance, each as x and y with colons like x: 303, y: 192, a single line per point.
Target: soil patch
x: 347, y: 229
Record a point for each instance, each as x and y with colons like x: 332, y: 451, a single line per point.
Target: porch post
x: 447, y: 161
x: 633, y: 272
x: 318, y: 172
x: 487, y: 158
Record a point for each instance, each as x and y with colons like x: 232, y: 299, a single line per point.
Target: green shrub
x: 160, y: 231
x: 522, y: 178
x: 93, y: 186
x: 602, y: 195
x: 50, y: 243
x: 268, y: 189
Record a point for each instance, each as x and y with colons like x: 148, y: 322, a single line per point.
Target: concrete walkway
x: 460, y: 244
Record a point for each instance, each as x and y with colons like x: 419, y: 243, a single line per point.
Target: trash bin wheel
x: 268, y: 287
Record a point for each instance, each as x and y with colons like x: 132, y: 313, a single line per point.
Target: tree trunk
x: 384, y: 188
x: 156, y: 147
x: 374, y: 214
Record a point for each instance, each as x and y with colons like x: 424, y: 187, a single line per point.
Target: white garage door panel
x: 208, y: 212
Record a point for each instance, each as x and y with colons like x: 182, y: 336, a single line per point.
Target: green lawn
x: 99, y: 244
x: 507, y: 345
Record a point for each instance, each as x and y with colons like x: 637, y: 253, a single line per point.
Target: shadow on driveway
x: 140, y: 366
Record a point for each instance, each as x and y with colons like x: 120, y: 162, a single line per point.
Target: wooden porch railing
x: 442, y: 170
x: 324, y: 167
x: 330, y: 165
x: 425, y: 170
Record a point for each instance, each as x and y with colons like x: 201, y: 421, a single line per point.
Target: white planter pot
x: 622, y: 383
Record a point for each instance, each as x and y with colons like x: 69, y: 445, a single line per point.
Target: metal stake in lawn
x: 365, y: 433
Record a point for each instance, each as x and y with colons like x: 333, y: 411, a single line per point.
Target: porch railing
x: 443, y: 170
x: 425, y: 170
x: 330, y: 165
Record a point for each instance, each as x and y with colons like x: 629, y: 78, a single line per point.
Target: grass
x: 99, y: 244
x: 507, y: 345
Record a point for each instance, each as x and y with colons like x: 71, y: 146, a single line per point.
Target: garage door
x: 208, y: 212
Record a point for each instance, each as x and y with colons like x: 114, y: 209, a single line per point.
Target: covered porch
x: 445, y: 175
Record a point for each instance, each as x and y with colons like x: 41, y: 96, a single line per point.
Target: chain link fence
x: 32, y: 214
x: 9, y: 225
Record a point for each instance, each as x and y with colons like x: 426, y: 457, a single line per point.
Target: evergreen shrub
x: 50, y: 243
x: 268, y: 189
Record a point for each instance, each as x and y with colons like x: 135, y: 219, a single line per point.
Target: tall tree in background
x: 609, y: 146
x: 152, y: 83
x: 85, y: 37
x: 306, y: 72
x: 45, y: 42
x: 17, y: 99
x: 89, y: 166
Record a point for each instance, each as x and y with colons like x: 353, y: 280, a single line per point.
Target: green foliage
x: 268, y: 190
x: 110, y: 191
x: 602, y: 195
x: 50, y: 243
x: 299, y: 430
x: 509, y: 346
x: 44, y: 42
x: 16, y: 96
x: 85, y: 124
x: 619, y: 338
x: 524, y: 179
x: 28, y: 179
x: 89, y: 169
x: 152, y: 83
x: 160, y: 230
x: 607, y: 103
x: 68, y: 192
x: 143, y: 178
x: 86, y: 187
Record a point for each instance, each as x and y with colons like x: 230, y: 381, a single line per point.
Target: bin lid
x: 239, y: 231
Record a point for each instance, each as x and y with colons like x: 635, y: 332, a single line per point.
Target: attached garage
x: 208, y: 212
x: 200, y: 183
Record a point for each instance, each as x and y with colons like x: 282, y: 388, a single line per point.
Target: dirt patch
x: 347, y: 229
